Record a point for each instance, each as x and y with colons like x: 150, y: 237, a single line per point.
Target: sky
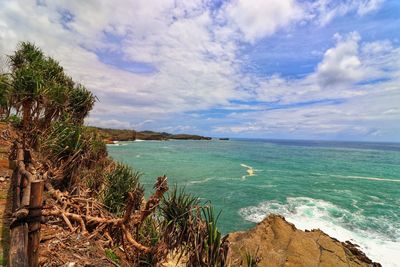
x: 286, y: 69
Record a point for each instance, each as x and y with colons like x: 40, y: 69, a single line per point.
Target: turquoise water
x: 349, y: 190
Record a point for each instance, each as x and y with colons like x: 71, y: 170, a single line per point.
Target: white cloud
x: 368, y: 6
x: 327, y: 10
x: 341, y: 64
x: 261, y: 18
x: 374, y: 115
x: 195, y: 52
x: 345, y: 71
x: 354, y: 90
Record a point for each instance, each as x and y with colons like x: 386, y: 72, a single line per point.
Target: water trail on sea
x: 208, y: 179
x: 358, y: 177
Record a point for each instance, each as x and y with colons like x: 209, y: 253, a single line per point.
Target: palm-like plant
x: 41, y: 86
x: 5, y: 92
x: 27, y: 77
x: 178, y: 210
x: 81, y: 101
x: 213, y: 242
x: 120, y: 182
x: 55, y: 94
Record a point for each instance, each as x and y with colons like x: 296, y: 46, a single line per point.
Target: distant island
x: 111, y: 135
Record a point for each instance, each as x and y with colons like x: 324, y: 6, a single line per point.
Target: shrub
x: 177, y: 211
x: 76, y: 151
x: 120, y: 181
x: 63, y: 140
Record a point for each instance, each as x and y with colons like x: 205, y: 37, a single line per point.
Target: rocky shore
x: 273, y: 242
x: 276, y: 242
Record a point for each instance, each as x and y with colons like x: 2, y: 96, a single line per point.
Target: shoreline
x: 379, y: 248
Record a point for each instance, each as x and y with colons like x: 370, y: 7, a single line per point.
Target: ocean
x: 350, y: 190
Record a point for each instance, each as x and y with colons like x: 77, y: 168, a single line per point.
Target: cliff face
x: 277, y: 242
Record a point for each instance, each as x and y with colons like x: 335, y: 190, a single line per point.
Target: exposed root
x: 93, y: 221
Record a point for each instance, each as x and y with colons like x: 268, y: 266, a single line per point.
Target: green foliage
x: 213, y: 242
x: 178, y: 211
x: 120, y: 181
x: 149, y: 234
x: 81, y: 101
x: 14, y: 120
x: 110, y: 254
x: 252, y: 260
x: 64, y: 140
x: 76, y: 151
x: 5, y: 90
x: 41, y: 87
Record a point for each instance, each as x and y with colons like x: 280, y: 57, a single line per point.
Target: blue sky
x: 297, y: 69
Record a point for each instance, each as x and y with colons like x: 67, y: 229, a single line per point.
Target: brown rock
x: 278, y: 243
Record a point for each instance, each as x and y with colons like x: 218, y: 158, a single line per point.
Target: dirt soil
x: 5, y: 193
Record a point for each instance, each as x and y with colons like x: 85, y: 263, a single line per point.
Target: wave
x: 116, y: 144
x: 250, y: 171
x: 358, y: 177
x: 379, y: 238
x: 201, y: 181
x: 205, y: 180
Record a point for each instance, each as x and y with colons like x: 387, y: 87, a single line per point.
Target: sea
x: 350, y: 190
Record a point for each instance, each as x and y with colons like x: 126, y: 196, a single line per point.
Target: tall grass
x: 178, y: 212
x: 208, y: 246
x: 120, y: 181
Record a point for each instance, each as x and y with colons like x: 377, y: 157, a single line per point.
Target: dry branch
x: 97, y: 223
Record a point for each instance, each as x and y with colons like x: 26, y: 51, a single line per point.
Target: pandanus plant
x: 27, y: 77
x: 178, y: 210
x: 80, y: 102
x: 5, y: 94
x: 41, y: 87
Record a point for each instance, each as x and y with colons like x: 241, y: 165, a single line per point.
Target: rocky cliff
x: 276, y: 242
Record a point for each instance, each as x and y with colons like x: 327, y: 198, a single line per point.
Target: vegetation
x: 110, y: 254
x: 49, y: 107
x: 129, y: 135
x: 178, y: 210
x: 120, y: 181
x: 252, y: 260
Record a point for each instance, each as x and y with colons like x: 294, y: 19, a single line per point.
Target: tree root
x: 95, y: 222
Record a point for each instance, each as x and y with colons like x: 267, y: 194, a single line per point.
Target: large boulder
x: 276, y: 242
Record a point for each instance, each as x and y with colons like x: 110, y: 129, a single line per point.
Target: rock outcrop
x: 276, y: 242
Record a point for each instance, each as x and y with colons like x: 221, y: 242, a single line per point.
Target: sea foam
x: 250, y: 171
x: 307, y: 213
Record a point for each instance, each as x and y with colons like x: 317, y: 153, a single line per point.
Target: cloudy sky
x: 321, y: 69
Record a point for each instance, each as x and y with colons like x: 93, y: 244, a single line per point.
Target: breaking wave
x: 379, y: 238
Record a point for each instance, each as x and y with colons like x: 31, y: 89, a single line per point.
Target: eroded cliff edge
x: 277, y: 242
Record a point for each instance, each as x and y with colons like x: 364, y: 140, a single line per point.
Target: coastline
x: 118, y: 135
x: 323, y: 201
x: 276, y: 242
